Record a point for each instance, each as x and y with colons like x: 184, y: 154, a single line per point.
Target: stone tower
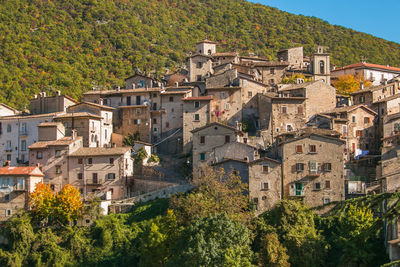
x: 206, y: 47
x: 320, y: 65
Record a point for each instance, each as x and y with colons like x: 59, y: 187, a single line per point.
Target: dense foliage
x: 74, y: 45
x: 209, y: 226
x: 347, y: 84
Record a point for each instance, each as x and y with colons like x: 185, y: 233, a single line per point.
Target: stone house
x: 373, y: 72
x: 391, y: 132
x: 234, y: 150
x: 196, y: 114
x: 41, y: 104
x: 105, y: 129
x: 226, y: 106
x: 225, y: 57
x: 16, y: 185
x: 101, y: 171
x: 86, y: 124
x: 385, y: 107
x: 375, y: 93
x: 234, y: 166
x: 294, y: 56
x: 199, y: 66
x: 136, y: 118
x: 309, y: 172
x: 51, y: 153
x: 140, y: 81
x: 265, y: 183
x: 146, y: 146
x: 356, y: 125
x: 17, y: 133
x: 206, y: 138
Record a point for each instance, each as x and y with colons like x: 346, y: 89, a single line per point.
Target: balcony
x: 23, y: 133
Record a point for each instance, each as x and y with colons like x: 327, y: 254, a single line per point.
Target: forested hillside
x: 73, y: 45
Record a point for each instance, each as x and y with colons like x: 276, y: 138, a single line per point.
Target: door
x: 299, y: 189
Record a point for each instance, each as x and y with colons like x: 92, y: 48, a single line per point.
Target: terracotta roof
x: 31, y: 170
x: 124, y: 91
x: 65, y: 141
x: 31, y: 116
x: 78, y: 115
x: 206, y: 41
x: 49, y: 124
x: 262, y: 159
x: 93, y: 105
x: 100, y: 151
x: 223, y: 88
x: 176, y: 92
x: 372, y: 88
x: 349, y: 109
x: 225, y: 54
x: 271, y: 63
x: 214, y: 124
x: 143, y: 143
x: 368, y: 65
x: 297, y: 86
x: 198, y: 98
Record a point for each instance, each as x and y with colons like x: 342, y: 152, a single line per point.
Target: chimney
x: 118, y: 88
x: 58, y: 92
x: 74, y: 134
x: 7, y: 163
x: 38, y: 165
x: 176, y: 84
x: 44, y: 94
x: 147, y: 88
x: 35, y: 96
x: 361, y: 85
x: 101, y: 101
x: 133, y: 86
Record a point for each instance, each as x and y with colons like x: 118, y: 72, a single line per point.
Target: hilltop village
x: 284, y: 136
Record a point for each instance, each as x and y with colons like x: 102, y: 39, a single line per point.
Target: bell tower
x: 320, y: 65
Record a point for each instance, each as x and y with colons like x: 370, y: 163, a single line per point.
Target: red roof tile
x: 33, y: 171
x: 207, y: 97
x: 368, y: 65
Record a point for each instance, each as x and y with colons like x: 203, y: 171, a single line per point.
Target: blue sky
x: 379, y: 18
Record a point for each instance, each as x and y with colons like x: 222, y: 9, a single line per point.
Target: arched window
x: 322, y: 67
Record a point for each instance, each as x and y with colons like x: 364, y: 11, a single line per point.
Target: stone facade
x: 309, y: 172
x: 226, y: 106
x: 265, y: 187
x: 140, y: 81
x: 49, y: 104
x: 373, y: 94
x: 320, y: 65
x: 199, y: 66
x: 294, y: 56
x: 234, y: 150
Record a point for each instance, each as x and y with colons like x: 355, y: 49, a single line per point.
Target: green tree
x: 140, y: 155
x: 272, y: 252
x: 212, y: 241
x: 130, y: 139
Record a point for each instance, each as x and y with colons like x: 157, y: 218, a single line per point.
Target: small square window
x: 8, y: 212
x: 138, y: 111
x: 327, y: 184
x: 366, y: 120
x: 317, y: 186
x: 353, y: 118
x: 313, y: 149
x: 196, y: 117
x: 299, y: 167
x: 202, y: 156
x: 111, y: 176
x: 264, y: 198
x: 39, y: 155
x: 154, y: 121
x: 90, y: 161
x: 327, y: 200
x: 227, y: 139
x: 167, y: 125
x: 250, y: 94
x: 299, y: 149
x: 284, y: 109
x: 80, y: 161
x: 327, y: 167
x: 7, y: 197
x: 264, y: 186
x: 202, y: 139
x: 58, y: 169
x: 111, y: 160
x: 58, y: 153
x: 196, y: 104
x: 171, y: 99
x: 80, y: 176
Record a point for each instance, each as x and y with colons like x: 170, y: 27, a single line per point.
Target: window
x: 222, y: 95
x: 313, y: 167
x: 299, y: 167
x: 264, y: 186
x: 138, y: 111
x: 80, y: 161
x: 58, y: 169
x: 23, y: 145
x: 39, y: 155
x: 8, y: 145
x: 284, y: 109
x: 8, y: 212
x: 8, y: 128
x: 167, y: 125
x: 94, y: 177
x: 58, y: 153
x: 327, y: 167
x: 299, y: 149
x: 196, y: 104
x: 300, y: 110
x: 202, y: 139
x: 105, y: 103
x: 366, y: 120
x: 202, y: 156
x: 23, y: 128
x: 265, y: 169
x: 327, y: 200
x: 327, y: 184
x: 111, y: 176
x: 250, y: 94
x: 199, y: 65
x: 227, y: 106
x: 359, y: 133
x: 80, y: 176
x: 272, y: 71
x: 313, y: 149
x: 361, y: 99
x: 9, y: 157
x: 344, y: 130
x: 196, y: 117
x: 353, y: 118
x: 209, y: 52
x: 322, y: 67
x: 289, y: 127
x: 111, y: 160
x: 154, y: 121
x: 198, y: 78
x: 154, y: 130
x: 7, y: 197
x: 227, y: 139
x: 271, y: 81
x: 90, y: 161
x: 317, y: 186
x: 171, y: 99
x: 105, y: 134
x: 264, y: 198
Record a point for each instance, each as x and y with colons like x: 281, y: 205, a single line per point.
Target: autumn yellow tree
x: 62, y: 207
x: 349, y: 83
x: 293, y: 79
x: 68, y: 204
x: 42, y: 201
